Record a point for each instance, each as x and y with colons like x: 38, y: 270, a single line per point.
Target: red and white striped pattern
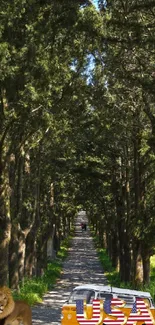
x: 143, y: 315
x: 95, y: 317
x: 115, y: 302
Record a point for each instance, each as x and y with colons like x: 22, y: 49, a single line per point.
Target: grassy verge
x: 33, y: 289
x: 113, y: 276
x: 152, y: 277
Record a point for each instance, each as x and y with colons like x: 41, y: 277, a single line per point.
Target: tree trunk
x: 119, y: 192
x: 146, y: 264
x: 121, y: 253
x: 20, y: 188
x: 13, y: 258
x: 137, y: 264
x: 64, y: 232
x: 30, y: 254
x: 31, y: 241
x: 68, y: 224
x: 51, y: 253
x: 127, y: 260
x: 109, y: 246
x: 15, y: 244
x: 114, y: 253
x: 21, y: 254
x: 5, y: 229
x: 101, y: 233
x: 42, y: 256
x: 105, y: 239
x: 146, y: 269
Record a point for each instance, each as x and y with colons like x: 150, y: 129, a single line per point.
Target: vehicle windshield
x: 104, y: 296
x: 82, y: 294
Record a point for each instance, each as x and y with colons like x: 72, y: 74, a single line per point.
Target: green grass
x: 152, y: 277
x: 153, y: 267
x: 32, y: 290
x: 113, y: 276
x: 110, y: 273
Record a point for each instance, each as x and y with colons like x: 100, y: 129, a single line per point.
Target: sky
x: 95, y: 2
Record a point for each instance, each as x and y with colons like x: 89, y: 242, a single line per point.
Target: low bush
x: 32, y: 290
x: 113, y: 276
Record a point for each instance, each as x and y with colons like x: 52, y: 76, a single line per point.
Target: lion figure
x: 13, y: 312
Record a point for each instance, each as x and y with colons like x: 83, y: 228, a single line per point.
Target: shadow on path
x: 80, y: 267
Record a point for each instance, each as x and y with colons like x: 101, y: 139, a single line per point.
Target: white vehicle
x: 89, y: 292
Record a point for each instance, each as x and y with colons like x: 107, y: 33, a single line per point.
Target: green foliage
x: 112, y: 274
x: 52, y: 273
x: 63, y: 252
x: 32, y: 290
x: 77, y: 111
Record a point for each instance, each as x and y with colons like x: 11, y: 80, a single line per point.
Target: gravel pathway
x: 80, y: 267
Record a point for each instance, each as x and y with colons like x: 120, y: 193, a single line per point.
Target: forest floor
x: 81, y: 266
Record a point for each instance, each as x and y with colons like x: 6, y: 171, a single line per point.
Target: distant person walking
x: 83, y: 226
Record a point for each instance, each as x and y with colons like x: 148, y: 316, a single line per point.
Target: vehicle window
x: 129, y: 300
x: 91, y: 296
x: 151, y: 302
x: 103, y: 295
x: 82, y: 294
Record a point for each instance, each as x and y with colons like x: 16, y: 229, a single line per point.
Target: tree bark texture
x: 5, y: 228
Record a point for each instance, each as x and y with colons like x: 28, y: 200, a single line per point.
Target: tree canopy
x: 77, y: 130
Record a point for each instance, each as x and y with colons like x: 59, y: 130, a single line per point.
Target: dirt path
x: 81, y: 266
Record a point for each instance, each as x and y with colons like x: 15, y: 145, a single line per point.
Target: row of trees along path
x: 44, y: 97
x: 81, y: 266
x: 77, y: 127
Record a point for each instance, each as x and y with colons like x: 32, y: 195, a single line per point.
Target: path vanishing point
x: 82, y: 266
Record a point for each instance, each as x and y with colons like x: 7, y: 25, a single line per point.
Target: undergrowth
x: 32, y: 290
x: 112, y: 274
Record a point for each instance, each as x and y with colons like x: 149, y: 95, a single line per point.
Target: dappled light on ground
x: 81, y: 266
